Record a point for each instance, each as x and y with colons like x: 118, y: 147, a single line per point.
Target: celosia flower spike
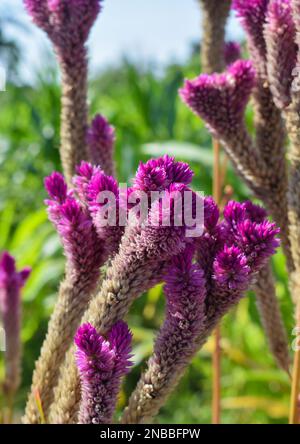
x: 280, y: 36
x: 252, y: 14
x: 220, y: 99
x: 158, y: 174
x: 66, y: 22
x: 74, y: 225
x: 11, y: 283
x: 101, y: 139
x: 101, y: 364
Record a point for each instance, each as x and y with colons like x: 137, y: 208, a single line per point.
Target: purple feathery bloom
x: 252, y: 14
x: 258, y: 241
x: 74, y: 225
x: 251, y: 232
x: 101, y: 364
x: 231, y: 269
x: 56, y: 187
x: 158, y: 174
x: 220, y: 99
x: 67, y: 22
x: 105, y: 208
x: 84, y: 173
x: 232, y: 52
x: 101, y: 139
x: 280, y: 36
x: 11, y: 283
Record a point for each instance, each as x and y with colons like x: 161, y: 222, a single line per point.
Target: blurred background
x: 140, y: 53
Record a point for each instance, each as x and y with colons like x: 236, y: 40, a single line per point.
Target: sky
x: 155, y: 30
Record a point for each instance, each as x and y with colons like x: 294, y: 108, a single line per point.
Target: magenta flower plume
x: 74, y: 225
x: 232, y: 52
x: 11, y: 283
x: 105, y: 209
x: 280, y: 36
x: 220, y: 99
x: 101, y: 139
x: 258, y: 241
x: 101, y: 364
x: 84, y: 173
x: 56, y: 187
x: 231, y: 269
x: 67, y: 23
x: 158, y: 174
x: 252, y: 14
x: 251, y: 232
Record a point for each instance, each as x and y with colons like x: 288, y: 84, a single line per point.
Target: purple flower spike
x: 66, y: 22
x: 258, y: 241
x: 11, y: 283
x: 232, y: 52
x: 101, y: 139
x: 220, y: 99
x: 158, y: 174
x: 231, y: 270
x: 280, y: 36
x: 252, y: 14
x: 81, y: 246
x: 56, y: 187
x: 85, y: 171
x: 101, y: 364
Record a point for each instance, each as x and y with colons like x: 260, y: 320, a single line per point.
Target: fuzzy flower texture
x: 101, y: 363
x: 11, y: 283
x: 67, y: 22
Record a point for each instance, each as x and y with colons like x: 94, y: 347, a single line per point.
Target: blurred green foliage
x: 144, y: 106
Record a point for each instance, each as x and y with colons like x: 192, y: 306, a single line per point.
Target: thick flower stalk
x: 139, y: 264
x: 101, y: 364
x: 11, y: 283
x: 269, y: 134
x: 85, y: 255
x: 68, y: 24
x: 101, y: 141
x: 280, y: 34
x: 198, y: 295
x: 214, y: 16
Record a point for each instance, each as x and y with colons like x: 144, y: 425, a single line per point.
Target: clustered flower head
x: 11, y: 283
x: 159, y: 174
x: 231, y: 251
x: 220, y: 99
x: 67, y: 22
x: 101, y: 362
